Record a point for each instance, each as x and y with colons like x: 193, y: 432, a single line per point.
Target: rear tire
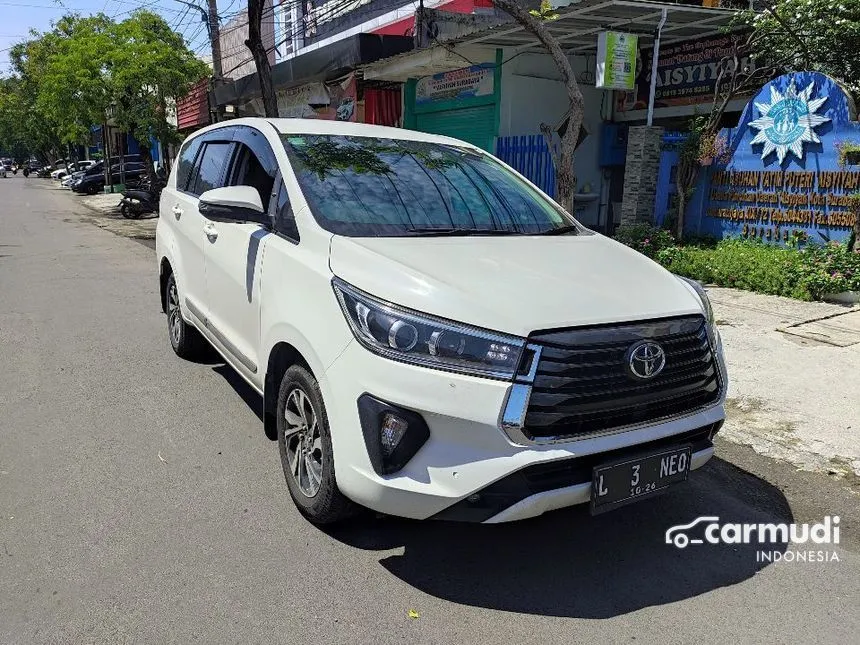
x: 185, y: 340
x: 304, y: 442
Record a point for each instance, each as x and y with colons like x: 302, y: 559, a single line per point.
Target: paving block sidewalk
x: 794, y: 385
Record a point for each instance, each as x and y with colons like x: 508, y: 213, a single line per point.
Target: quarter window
x: 210, y: 170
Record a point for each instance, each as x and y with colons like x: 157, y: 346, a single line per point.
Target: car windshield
x: 373, y: 187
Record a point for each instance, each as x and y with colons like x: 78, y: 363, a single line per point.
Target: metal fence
x: 529, y: 155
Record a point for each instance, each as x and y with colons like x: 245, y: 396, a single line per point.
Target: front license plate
x: 622, y: 482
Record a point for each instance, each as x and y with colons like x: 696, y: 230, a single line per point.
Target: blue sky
x: 17, y: 17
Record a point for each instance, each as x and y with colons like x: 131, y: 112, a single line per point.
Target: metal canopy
x: 579, y: 23
x: 576, y: 28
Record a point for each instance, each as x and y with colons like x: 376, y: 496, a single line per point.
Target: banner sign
x: 784, y: 177
x: 476, y: 80
x: 686, y: 72
x: 616, y: 60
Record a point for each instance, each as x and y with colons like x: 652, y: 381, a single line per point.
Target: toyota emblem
x: 645, y: 359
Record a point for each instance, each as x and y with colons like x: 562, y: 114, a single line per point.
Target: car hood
x: 516, y: 284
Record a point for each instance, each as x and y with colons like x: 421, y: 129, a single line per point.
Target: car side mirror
x: 233, y: 203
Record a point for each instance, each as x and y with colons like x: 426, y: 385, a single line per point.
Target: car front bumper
x: 468, y: 453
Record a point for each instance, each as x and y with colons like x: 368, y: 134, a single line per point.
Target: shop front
x: 462, y: 103
x: 495, y: 86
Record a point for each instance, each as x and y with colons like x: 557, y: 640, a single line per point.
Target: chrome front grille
x: 583, y: 386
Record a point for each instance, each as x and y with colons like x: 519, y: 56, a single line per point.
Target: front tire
x: 304, y: 442
x: 185, y: 340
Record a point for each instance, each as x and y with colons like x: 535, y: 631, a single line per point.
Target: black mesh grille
x: 583, y: 384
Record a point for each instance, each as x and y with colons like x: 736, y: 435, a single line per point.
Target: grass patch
x: 805, y: 274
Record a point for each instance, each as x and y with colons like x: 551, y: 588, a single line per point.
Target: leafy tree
x: 150, y: 68
x: 74, y: 84
x: 69, y: 77
x: 20, y: 116
x: 809, y: 35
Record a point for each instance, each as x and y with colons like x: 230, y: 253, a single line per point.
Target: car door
x: 200, y: 168
x: 234, y: 252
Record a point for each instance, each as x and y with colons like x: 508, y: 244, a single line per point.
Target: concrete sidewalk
x: 105, y: 207
x: 794, y: 388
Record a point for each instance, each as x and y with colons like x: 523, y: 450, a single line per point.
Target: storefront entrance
x: 463, y: 103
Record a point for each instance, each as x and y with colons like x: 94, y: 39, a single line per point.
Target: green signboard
x: 616, y: 60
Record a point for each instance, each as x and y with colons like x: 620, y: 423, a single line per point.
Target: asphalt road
x: 141, y: 501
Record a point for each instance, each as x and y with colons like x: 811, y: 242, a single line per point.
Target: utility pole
x: 210, y: 18
x: 215, y: 41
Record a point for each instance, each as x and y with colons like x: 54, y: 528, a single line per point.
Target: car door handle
x: 211, y: 232
x: 177, y: 212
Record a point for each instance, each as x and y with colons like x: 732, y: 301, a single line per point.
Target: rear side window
x: 210, y: 169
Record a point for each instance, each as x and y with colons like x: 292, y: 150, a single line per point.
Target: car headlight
x: 413, y: 337
x: 706, y: 305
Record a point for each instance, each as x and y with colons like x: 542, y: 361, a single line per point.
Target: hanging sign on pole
x: 616, y: 60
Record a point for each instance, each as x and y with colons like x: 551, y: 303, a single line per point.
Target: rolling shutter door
x: 474, y: 125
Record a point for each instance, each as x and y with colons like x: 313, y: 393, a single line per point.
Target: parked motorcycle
x: 141, y: 200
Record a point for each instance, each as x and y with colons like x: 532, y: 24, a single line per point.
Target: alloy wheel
x: 303, y: 442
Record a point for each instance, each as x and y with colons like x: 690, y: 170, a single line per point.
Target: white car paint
x: 248, y: 290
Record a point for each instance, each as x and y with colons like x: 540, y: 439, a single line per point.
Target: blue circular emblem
x: 786, y: 127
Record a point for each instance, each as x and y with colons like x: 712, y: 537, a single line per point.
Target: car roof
x: 342, y: 128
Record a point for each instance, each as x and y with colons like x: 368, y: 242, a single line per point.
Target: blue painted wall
x: 754, y: 210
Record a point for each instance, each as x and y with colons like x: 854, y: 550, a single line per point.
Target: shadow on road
x: 568, y: 563
x: 251, y: 398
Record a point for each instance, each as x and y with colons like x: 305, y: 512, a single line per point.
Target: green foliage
x: 806, y: 274
x: 545, y: 12
x: 150, y: 67
x: 646, y: 239
x: 847, y: 152
x: 69, y: 78
x: 816, y: 35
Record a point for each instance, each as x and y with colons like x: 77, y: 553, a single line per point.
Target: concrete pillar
x: 640, y: 174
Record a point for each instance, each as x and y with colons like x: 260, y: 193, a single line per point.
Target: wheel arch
x: 164, y: 272
x: 282, y: 356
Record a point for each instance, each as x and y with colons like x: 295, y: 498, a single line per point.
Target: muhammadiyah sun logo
x: 788, y: 121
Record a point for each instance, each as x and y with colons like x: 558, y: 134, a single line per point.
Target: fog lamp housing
x: 392, y: 435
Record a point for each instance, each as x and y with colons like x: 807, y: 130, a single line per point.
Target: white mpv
x: 433, y: 337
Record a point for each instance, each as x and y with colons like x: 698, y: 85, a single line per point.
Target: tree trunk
x: 856, y: 245
x: 686, y: 180
x: 261, y: 58
x: 682, y: 207
x: 564, y: 169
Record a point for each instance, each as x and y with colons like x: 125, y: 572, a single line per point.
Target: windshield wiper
x: 561, y: 230
x: 430, y: 230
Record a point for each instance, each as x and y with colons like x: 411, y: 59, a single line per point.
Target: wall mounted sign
x: 788, y: 121
x: 784, y: 176
x: 686, y: 72
x: 616, y: 60
x: 476, y: 80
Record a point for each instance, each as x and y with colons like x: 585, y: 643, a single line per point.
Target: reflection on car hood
x: 515, y: 284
